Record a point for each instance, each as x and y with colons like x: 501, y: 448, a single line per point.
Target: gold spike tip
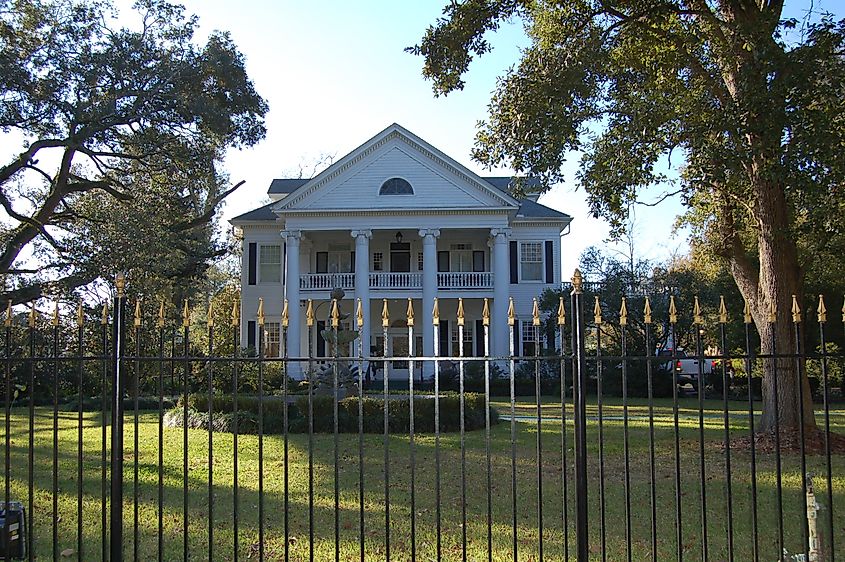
x: 577, y: 282
x: 186, y: 315
x: 696, y: 313
x: 460, y: 312
x: 359, y: 314
x: 723, y: 310
x: 55, y: 321
x: 485, y: 313
x: 209, y: 317
x: 120, y: 284
x: 137, y: 314
x: 535, y: 314
x: 285, y: 314
x: 259, y: 315
x: 410, y: 313
x: 33, y: 316
x: 309, y: 314
x: 335, y: 314
x: 673, y: 310
x: 8, y: 320
x: 161, y: 315
x: 772, y: 318
x: 435, y: 313
x: 561, y: 313
x: 385, y: 314
x: 80, y: 316
x: 746, y: 313
x: 796, y: 311
x: 822, y: 310
x: 104, y: 319
x: 647, y: 311
x: 511, y: 312
x: 623, y: 313
x: 597, y: 312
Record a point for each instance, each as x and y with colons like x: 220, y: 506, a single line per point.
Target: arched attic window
x: 396, y: 186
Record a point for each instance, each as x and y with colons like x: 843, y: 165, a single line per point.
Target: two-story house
x: 397, y: 219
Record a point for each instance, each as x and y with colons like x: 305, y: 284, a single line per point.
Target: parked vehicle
x: 686, y: 366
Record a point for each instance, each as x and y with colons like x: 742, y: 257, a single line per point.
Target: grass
x: 399, y: 480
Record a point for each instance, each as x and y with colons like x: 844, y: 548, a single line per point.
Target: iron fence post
x: 116, y: 507
x: 579, y: 381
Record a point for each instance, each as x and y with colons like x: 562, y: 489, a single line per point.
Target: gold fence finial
x: 511, y: 312
x: 697, y: 319
x: 138, y: 317
x: 104, y: 319
x: 460, y: 312
x: 285, y: 314
x: 335, y: 314
x: 209, y: 316
x: 8, y: 321
x: 561, y: 313
x: 186, y: 314
x: 385, y: 314
x: 796, y: 310
x: 409, y: 314
x: 56, y: 315
x: 673, y: 310
x: 120, y: 284
x: 435, y: 312
x: 647, y: 311
x: 597, y: 312
x: 161, y: 314
x: 577, y: 282
x: 236, y: 314
x: 33, y: 316
x: 359, y: 314
x: 746, y: 313
x: 259, y: 315
x: 772, y: 318
x: 535, y: 313
x: 485, y: 313
x: 80, y: 315
x: 309, y: 313
x: 822, y: 310
x: 723, y: 310
x: 623, y: 313
x: 843, y: 311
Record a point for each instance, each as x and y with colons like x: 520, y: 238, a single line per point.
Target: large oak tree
x: 124, y: 122
x: 752, y: 102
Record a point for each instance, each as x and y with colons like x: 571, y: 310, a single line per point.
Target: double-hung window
x: 531, y: 261
x: 270, y: 264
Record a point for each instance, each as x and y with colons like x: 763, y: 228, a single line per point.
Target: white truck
x: 686, y: 366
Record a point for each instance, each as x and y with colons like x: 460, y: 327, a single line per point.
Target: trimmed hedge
x: 223, y: 418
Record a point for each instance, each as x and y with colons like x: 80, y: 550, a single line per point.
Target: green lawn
x: 424, y: 484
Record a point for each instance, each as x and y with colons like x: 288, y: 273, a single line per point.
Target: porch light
x: 399, y: 237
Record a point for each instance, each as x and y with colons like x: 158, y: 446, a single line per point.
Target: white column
x: 292, y: 239
x: 501, y: 286
x: 362, y: 282
x: 429, y: 292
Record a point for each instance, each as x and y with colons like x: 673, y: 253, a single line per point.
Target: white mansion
x: 398, y: 219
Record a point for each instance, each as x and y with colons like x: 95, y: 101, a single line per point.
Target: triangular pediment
x: 354, y: 182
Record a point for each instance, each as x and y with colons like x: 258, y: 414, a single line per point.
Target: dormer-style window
x: 396, y: 186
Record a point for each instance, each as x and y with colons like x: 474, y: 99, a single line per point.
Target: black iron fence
x: 143, y: 437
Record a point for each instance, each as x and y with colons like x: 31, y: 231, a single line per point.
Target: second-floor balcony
x: 384, y: 280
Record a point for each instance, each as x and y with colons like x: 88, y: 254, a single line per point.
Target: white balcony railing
x: 465, y: 280
x: 326, y: 281
x: 391, y: 280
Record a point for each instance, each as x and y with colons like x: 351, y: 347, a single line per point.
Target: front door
x: 400, y: 257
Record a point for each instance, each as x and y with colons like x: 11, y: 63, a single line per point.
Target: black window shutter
x: 478, y: 260
x: 445, y: 338
x: 352, y: 267
x: 514, y: 262
x: 550, y: 266
x: 443, y: 261
x: 250, y: 333
x: 322, y: 262
x: 517, y: 343
x: 321, y: 342
x: 479, y: 338
x: 252, y: 257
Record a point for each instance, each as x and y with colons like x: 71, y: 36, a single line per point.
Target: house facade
x: 397, y: 219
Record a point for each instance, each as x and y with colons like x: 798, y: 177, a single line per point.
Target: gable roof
x: 531, y: 209
x: 264, y: 213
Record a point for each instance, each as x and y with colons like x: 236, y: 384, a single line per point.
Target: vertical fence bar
x: 135, y: 391
x: 80, y: 338
x: 652, y: 480
x: 698, y: 326
x: 55, y: 471
x: 360, y: 324
x: 462, y: 402
x: 600, y: 406
x: 285, y: 428
x: 7, y: 491
x: 412, y: 445
x: 186, y: 350
x: 799, y: 373
x: 309, y: 315
x: 673, y: 319
x: 772, y: 319
x: 753, y: 460
x: 623, y: 323
x: 119, y: 332
x: 210, y: 330
x: 235, y: 324
x: 535, y: 322
x: 564, y: 469
x: 579, y: 381
x: 729, y: 523
x: 261, y: 344
x: 30, y: 457
x: 335, y: 316
x: 385, y: 324
x: 160, y: 391
x: 512, y: 369
x: 104, y: 336
x: 822, y: 319
x: 485, y: 324
x: 435, y: 320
